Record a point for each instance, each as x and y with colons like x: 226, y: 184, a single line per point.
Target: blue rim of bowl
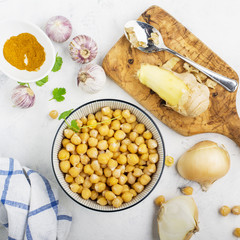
x: 163, y: 148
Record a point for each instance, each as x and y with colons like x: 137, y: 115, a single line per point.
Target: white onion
x: 23, y: 97
x: 83, y: 49
x: 59, y: 29
x: 204, y: 163
x: 91, y: 78
x: 178, y: 219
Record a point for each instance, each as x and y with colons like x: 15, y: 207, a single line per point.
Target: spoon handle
x: 227, y: 83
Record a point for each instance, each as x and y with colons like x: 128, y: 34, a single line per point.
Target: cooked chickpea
x: 117, y: 189
x: 116, y: 155
x: 92, y: 152
x: 122, y: 159
x: 84, y: 120
x: 122, y: 179
x: 122, y: 120
x: 153, y: 158
x: 79, y: 179
x: 74, y: 171
x: 74, y: 159
x: 236, y: 232
x: 126, y: 127
x: 187, y: 190
x: 139, y: 128
x: 86, y: 193
x: 98, y: 116
x: 133, y: 136
x: 68, y: 133
x: 106, y: 110
x: 117, y: 202
x: 53, y: 114
x: 70, y: 147
x: 74, y: 187
x: 114, y: 147
x: 151, y: 151
x: 94, y: 195
x: 75, y: 139
x: 103, y: 130
x: 102, y: 201
x: 127, y: 196
x: 159, y: 200
x: 85, y: 129
x: 131, y: 178
x: 115, y: 124
x: 88, y: 169
x: 132, y: 159
x: 102, y: 145
x: 84, y: 136
x: 122, y: 168
x: 83, y: 174
x: 116, y: 173
x: 151, y: 143
x: 94, y: 178
x: 63, y: 154
x: 112, y: 181
x: 142, y: 149
x: 93, y: 133
x: 100, y: 186
x: 236, y: 210
x: 129, y: 168
x: 92, y: 142
x: 125, y: 188
x: 118, y: 114
x: 84, y: 159
x: 95, y: 165
x: 65, y: 141
x: 126, y: 113
x: 131, y: 119
x: 109, y: 195
x: 137, y: 172
x: 126, y: 141
x: 90, y: 116
x: 123, y: 148
x: 144, y: 179
x: 81, y: 148
x: 87, y: 183
x: 151, y: 168
x: 138, y: 187
x: 107, y: 172
x: 103, y: 158
x: 132, y: 148
x: 65, y: 166
x: 80, y: 166
x: 110, y: 133
x: 119, y: 135
x: 103, y: 179
x: 106, y: 120
x: 68, y: 178
x: 139, y: 140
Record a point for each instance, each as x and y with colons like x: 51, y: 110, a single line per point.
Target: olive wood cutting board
x: 122, y: 63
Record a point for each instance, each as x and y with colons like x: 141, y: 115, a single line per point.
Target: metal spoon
x: 143, y: 33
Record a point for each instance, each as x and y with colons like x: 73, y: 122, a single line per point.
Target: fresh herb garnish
x: 58, y: 94
x: 42, y: 81
x: 65, y: 114
x: 23, y: 84
x: 58, y: 64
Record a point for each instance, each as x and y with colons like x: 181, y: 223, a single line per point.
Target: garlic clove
x: 91, y: 78
x: 83, y: 49
x: 178, y: 219
x: 23, y: 97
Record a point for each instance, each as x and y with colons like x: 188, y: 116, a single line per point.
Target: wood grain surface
x: 122, y: 63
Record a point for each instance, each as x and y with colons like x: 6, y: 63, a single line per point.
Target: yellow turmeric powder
x: 24, y: 52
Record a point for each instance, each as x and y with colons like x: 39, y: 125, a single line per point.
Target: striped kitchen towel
x: 29, y: 207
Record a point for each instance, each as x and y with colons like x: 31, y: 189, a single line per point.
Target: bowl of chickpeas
x: 112, y: 160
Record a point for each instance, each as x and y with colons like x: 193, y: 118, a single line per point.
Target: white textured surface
x: 28, y: 134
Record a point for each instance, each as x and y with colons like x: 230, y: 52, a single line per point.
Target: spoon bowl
x: 148, y: 39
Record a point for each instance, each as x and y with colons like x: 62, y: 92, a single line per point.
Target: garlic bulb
x: 59, y: 29
x: 178, y: 219
x: 23, y: 97
x: 204, y: 163
x: 91, y: 78
x: 83, y: 49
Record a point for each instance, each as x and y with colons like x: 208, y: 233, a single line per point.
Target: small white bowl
x: 93, y: 107
x: 9, y: 28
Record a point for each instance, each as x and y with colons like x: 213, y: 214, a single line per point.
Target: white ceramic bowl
x: 93, y: 107
x: 11, y: 28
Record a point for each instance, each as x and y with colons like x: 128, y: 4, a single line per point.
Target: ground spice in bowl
x: 24, y: 52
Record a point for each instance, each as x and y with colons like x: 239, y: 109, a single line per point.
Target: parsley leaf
x: 74, y: 125
x: 58, y: 94
x: 65, y: 114
x: 42, y: 81
x: 58, y: 64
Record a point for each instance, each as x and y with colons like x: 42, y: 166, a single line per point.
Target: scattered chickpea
x: 224, y: 210
x: 236, y: 232
x: 169, y: 161
x: 53, y: 114
x: 159, y: 200
x: 187, y: 190
x: 236, y: 210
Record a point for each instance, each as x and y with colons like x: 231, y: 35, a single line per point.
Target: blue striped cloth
x: 29, y: 207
